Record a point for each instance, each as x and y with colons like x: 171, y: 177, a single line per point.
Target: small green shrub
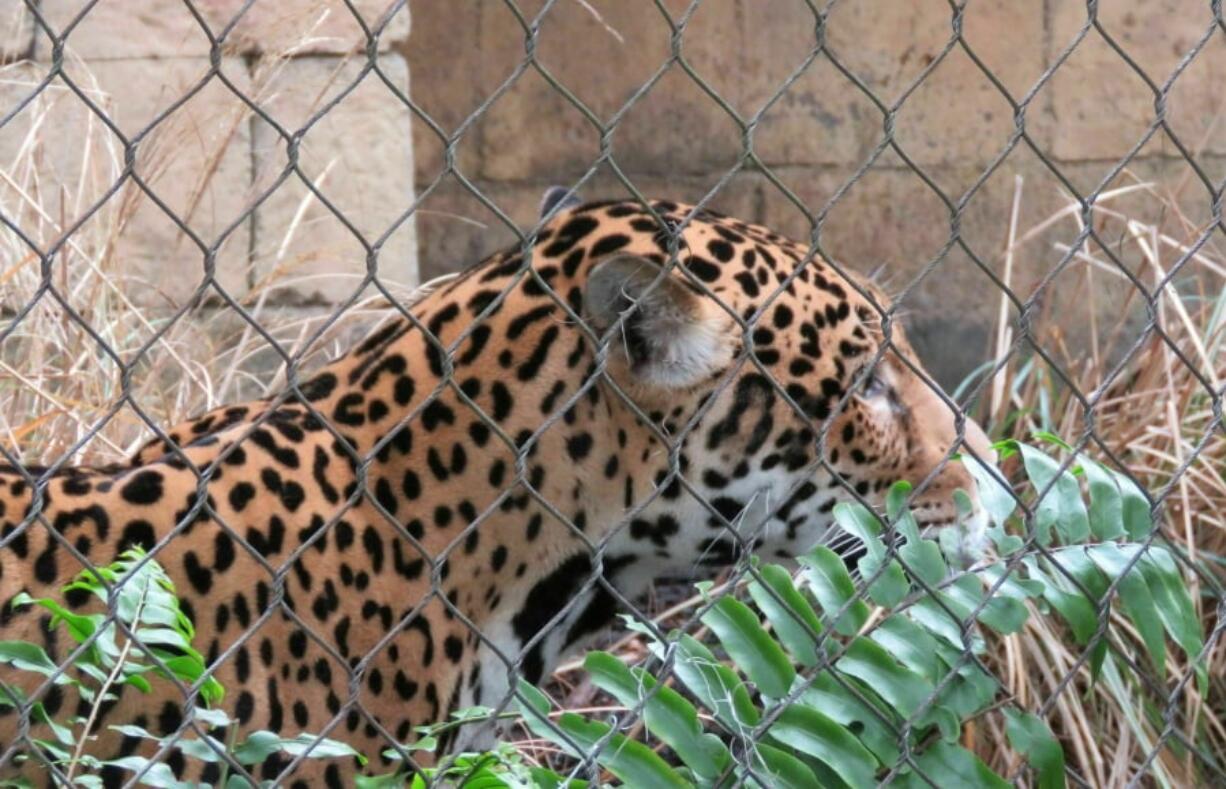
x: 503, y: 766
x: 147, y: 605
x: 807, y: 686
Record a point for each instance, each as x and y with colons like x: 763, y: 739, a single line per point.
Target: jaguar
x: 643, y: 389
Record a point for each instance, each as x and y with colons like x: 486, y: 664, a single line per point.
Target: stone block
x: 359, y: 155
x: 111, y: 29
x: 1102, y: 107
x: 819, y: 118
x: 167, y: 28
x: 455, y: 230
x: 533, y: 131
x: 955, y: 115
x: 310, y: 27
x: 16, y: 31
x: 60, y: 160
x: 444, y: 58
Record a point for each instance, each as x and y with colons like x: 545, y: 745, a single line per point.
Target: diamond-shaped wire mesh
x: 64, y: 281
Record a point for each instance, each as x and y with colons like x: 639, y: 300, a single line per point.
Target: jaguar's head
x: 799, y: 389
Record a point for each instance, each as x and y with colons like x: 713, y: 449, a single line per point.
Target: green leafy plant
x: 146, y: 603
x: 503, y: 766
x: 817, y: 679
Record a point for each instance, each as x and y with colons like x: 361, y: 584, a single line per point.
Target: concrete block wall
x: 677, y: 141
x: 219, y: 166
x: 212, y: 160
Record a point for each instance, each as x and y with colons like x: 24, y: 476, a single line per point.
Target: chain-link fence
x: 107, y: 394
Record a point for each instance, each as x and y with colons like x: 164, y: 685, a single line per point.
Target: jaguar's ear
x: 672, y: 336
x: 558, y: 198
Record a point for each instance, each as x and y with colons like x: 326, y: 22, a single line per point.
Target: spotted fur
x: 531, y: 470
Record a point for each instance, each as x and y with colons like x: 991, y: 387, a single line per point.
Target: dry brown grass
x: 1155, y: 414
x: 61, y: 387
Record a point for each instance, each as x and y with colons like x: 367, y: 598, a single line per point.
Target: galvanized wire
x: 1025, y: 341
